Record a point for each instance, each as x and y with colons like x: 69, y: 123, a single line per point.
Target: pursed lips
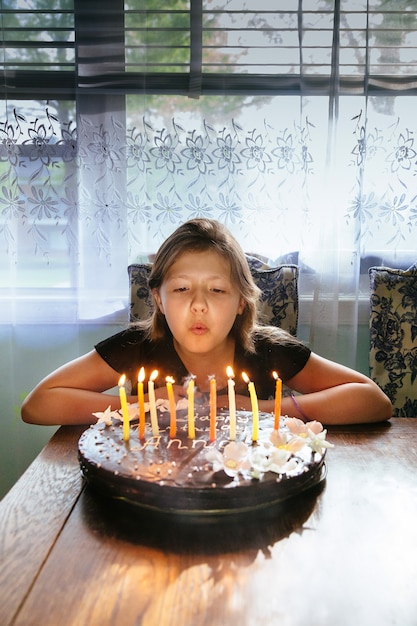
x: 199, y: 329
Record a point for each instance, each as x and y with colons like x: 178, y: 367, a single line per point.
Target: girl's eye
x: 180, y: 289
x: 218, y: 290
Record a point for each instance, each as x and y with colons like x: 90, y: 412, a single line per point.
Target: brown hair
x: 200, y: 235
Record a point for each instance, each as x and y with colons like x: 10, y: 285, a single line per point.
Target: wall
x: 30, y: 352
x: 27, y: 354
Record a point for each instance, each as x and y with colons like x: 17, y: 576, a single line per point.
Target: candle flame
x: 169, y: 379
x: 245, y: 377
x: 229, y: 371
x: 141, y: 375
x: 154, y: 375
x: 122, y: 380
x: 275, y: 375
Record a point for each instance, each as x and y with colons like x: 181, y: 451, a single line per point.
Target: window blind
x: 38, y: 47
x: 209, y: 46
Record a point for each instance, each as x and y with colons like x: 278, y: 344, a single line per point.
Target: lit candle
x: 232, y: 402
x: 152, y: 403
x: 213, y: 408
x: 254, y: 403
x: 172, y: 408
x: 123, y: 404
x: 278, y: 394
x: 141, y: 403
x: 190, y: 394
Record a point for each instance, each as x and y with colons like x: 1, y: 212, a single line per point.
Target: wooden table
x: 346, y: 555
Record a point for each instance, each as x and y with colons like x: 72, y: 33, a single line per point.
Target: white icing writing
x: 179, y: 442
x: 196, y: 441
x: 153, y: 442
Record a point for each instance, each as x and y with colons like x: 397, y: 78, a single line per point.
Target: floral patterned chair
x: 279, y: 286
x: 393, y: 336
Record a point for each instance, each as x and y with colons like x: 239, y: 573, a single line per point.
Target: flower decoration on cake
x: 233, y: 460
x: 311, y: 433
x: 280, y: 440
x: 285, y: 454
x: 267, y: 458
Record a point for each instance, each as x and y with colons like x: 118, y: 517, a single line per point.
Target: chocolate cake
x: 202, y: 477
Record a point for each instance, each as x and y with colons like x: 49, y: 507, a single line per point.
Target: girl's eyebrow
x: 188, y: 276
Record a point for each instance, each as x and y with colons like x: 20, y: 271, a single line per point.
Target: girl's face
x: 199, y: 301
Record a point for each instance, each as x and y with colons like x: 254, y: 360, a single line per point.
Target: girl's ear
x: 157, y: 298
x: 242, y: 305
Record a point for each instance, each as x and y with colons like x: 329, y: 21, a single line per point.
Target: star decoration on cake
x: 105, y: 417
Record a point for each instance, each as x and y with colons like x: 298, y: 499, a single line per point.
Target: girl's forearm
x: 59, y: 406
x: 343, y: 404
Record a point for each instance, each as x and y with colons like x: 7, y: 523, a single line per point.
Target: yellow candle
x: 278, y: 394
x: 255, y: 410
x: 190, y: 394
x: 152, y: 403
x: 172, y: 407
x: 123, y: 404
x: 213, y: 408
x: 232, y: 402
x: 141, y: 403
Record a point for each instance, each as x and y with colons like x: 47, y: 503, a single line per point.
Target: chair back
x: 393, y: 336
x: 278, y: 304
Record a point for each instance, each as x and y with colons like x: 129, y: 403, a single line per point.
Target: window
x: 97, y: 96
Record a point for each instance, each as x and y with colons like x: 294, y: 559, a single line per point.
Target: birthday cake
x: 199, y: 475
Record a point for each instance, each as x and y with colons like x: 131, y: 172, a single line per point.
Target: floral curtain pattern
x: 240, y: 176
x: 31, y: 152
x: 386, y: 200
x: 81, y: 199
x: 61, y: 174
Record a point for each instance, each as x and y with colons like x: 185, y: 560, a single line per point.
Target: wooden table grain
x: 344, y: 554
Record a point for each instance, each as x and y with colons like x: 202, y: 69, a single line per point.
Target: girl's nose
x: 199, y: 302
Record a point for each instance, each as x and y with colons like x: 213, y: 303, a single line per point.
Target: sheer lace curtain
x: 82, y: 198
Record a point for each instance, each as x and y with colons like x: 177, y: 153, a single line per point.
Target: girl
x: 205, y: 319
